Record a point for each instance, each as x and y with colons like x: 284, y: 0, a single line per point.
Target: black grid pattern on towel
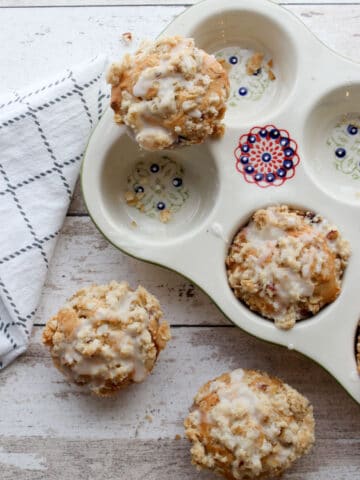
x: 75, y: 88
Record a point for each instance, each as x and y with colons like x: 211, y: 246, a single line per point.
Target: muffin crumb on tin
x: 255, y: 63
x: 249, y: 425
x: 286, y: 264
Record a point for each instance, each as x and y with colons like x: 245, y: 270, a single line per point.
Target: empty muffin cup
x: 260, y: 58
x: 332, y: 143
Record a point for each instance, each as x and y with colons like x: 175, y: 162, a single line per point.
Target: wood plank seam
x: 185, y: 5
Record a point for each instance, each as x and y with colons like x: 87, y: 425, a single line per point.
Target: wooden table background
x: 51, y: 430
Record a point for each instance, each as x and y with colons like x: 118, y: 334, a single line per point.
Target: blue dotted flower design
x: 158, y: 185
x: 267, y: 156
x: 344, y: 145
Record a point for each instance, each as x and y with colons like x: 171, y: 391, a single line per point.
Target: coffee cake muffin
x: 249, y: 425
x: 107, y: 336
x: 169, y: 93
x: 287, y: 264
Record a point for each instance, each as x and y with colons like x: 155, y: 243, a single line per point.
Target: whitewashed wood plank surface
x: 49, y: 40
x: 106, y: 3
x: 50, y: 430
x: 41, y: 46
x: 59, y: 431
x: 82, y: 257
x: 163, y: 459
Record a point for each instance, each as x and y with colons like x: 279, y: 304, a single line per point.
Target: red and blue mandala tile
x: 267, y: 156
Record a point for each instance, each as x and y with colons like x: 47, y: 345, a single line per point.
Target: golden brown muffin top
x: 107, y: 336
x: 249, y: 425
x: 169, y: 93
x: 286, y: 264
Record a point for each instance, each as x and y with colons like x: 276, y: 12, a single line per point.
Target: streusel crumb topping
x: 169, y: 93
x: 249, y: 425
x: 107, y: 336
x: 287, y: 264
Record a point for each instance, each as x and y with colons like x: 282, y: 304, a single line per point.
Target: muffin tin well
x: 169, y: 181
x: 332, y: 143
x: 284, y: 146
x: 236, y: 33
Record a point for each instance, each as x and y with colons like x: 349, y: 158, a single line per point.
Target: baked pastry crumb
x: 248, y: 425
x: 287, y: 264
x: 271, y: 75
x: 134, y: 200
x: 165, y: 216
x: 269, y: 67
x: 226, y: 65
x: 127, y: 38
x: 107, y: 336
x: 169, y: 93
x: 256, y: 62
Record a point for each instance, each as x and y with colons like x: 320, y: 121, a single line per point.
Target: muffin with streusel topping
x: 107, y: 336
x: 286, y: 264
x: 169, y: 93
x: 248, y: 425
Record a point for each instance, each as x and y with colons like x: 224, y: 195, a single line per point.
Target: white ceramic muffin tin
x: 314, y: 104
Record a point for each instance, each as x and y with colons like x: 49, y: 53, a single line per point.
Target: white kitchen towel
x: 43, y: 134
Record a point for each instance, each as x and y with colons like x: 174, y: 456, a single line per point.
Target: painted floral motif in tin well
x: 267, y: 156
x: 245, y: 87
x: 344, y: 146
x: 158, y: 186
